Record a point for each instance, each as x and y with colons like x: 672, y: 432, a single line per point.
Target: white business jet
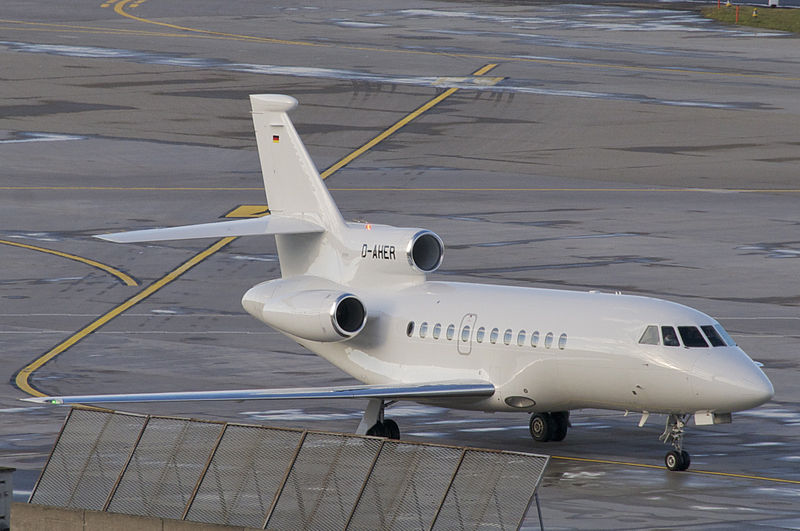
x: 357, y: 294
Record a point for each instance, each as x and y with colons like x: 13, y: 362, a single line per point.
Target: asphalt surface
x: 614, y: 148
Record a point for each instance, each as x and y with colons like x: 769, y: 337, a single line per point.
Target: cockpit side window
x: 728, y: 339
x: 650, y: 336
x: 692, y: 337
x: 713, y: 336
x: 669, y: 337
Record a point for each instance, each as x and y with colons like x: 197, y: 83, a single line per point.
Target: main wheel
x: 541, y: 427
x: 377, y: 430
x: 392, y: 429
x: 560, y: 425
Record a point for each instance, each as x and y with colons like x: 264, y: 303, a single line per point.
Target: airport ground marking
x: 659, y: 467
x: 22, y: 377
x: 123, y: 277
x: 400, y: 124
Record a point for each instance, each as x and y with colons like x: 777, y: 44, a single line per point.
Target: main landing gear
x: 676, y: 459
x: 373, y: 422
x: 549, y: 426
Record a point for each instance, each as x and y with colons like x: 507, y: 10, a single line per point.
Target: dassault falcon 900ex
x: 357, y: 294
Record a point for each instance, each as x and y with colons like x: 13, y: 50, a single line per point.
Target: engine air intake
x: 349, y: 315
x: 426, y: 251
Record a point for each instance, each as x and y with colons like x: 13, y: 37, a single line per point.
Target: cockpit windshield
x: 713, y: 336
x: 690, y: 336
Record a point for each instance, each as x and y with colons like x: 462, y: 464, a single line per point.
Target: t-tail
x: 312, y: 237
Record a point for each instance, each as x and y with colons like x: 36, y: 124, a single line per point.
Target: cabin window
x: 507, y: 336
x: 451, y: 331
x: 562, y: 341
x: 650, y: 336
x: 410, y: 329
x: 713, y: 336
x: 493, y: 336
x: 437, y: 331
x: 548, y: 340
x: 669, y: 337
x: 692, y: 337
x: 521, y: 338
x: 465, y: 334
x: 479, y: 334
x: 423, y: 329
x: 535, y: 339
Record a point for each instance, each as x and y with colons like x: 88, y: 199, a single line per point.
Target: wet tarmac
x: 646, y: 151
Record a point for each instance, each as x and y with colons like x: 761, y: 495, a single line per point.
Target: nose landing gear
x: 676, y: 459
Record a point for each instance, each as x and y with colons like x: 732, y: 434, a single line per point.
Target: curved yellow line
x: 22, y: 377
x: 129, y: 281
x: 119, y: 8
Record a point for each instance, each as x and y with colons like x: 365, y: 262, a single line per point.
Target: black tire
x: 541, y: 427
x: 392, y: 429
x: 686, y: 460
x: 560, y: 425
x: 377, y: 430
x: 674, y: 461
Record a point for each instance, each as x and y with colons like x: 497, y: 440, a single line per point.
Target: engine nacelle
x: 307, y: 307
x: 381, y: 249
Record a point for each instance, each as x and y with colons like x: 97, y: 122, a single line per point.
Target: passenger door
x: 465, y: 332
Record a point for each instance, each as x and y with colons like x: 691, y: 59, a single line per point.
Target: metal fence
x: 276, y: 478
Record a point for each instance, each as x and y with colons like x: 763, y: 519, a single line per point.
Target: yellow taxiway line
x: 22, y: 377
x: 400, y: 124
x: 126, y: 279
x: 660, y: 467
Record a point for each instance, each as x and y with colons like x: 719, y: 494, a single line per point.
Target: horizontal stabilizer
x: 245, y: 227
x: 448, y: 389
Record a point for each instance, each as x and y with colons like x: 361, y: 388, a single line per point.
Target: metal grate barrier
x: 278, y: 478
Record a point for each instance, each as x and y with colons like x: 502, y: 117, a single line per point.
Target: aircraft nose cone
x: 727, y: 380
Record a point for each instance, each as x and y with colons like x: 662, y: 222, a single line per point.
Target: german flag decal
x: 276, y: 138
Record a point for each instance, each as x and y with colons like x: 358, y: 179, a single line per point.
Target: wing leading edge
x: 447, y: 389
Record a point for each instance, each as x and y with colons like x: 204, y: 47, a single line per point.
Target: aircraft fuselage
x: 545, y: 350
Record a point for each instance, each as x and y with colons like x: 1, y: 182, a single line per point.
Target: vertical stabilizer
x: 291, y: 180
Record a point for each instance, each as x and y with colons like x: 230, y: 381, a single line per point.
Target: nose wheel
x: 676, y: 459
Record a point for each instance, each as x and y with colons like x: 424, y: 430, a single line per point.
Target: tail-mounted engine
x: 376, y: 250
x: 307, y: 307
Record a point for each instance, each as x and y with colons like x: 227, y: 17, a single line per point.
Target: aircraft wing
x: 446, y: 389
x: 266, y: 225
